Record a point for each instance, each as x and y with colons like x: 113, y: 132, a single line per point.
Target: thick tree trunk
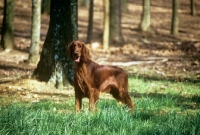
x: 90, y: 22
x: 54, y: 65
x: 116, y: 37
x: 7, y: 39
x: 146, y: 16
x: 106, y: 24
x: 175, y: 20
x: 35, y: 32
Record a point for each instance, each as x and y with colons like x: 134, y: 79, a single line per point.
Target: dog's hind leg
x: 126, y: 99
x: 122, y: 96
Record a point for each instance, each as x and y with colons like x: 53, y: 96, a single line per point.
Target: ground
x: 153, y: 55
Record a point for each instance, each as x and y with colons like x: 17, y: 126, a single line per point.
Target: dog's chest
x: 82, y: 81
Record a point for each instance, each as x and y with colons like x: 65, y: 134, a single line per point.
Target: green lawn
x: 162, y: 108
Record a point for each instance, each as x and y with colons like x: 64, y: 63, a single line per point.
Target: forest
x: 156, y: 42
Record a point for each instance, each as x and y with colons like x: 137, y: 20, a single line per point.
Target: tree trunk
x: 7, y: 39
x: 83, y: 3
x: 146, y: 16
x: 175, y: 20
x: 106, y: 24
x: 192, y: 7
x: 35, y: 32
x: 46, y: 6
x: 54, y: 65
x: 90, y: 22
x: 115, y: 23
x: 124, y: 6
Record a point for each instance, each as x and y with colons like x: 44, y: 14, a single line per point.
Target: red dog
x: 91, y: 78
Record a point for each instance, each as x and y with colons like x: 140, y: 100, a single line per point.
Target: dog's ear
x: 69, y: 49
x: 85, y: 52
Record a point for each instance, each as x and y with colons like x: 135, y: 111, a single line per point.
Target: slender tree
x: 192, y: 7
x: 46, y: 6
x: 175, y: 19
x: 55, y: 67
x: 7, y: 39
x: 146, y: 16
x: 83, y: 3
x: 90, y: 22
x: 35, y: 32
x: 115, y: 23
x: 124, y: 6
x: 106, y: 24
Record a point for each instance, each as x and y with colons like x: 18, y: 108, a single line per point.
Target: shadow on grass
x: 160, y: 78
x: 184, y: 102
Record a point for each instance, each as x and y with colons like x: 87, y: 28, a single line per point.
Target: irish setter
x: 91, y: 78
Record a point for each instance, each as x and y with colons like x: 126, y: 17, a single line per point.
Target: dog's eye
x: 79, y: 46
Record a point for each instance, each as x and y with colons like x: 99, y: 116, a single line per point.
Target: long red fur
x: 91, y: 78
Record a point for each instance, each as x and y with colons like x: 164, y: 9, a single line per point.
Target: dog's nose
x: 76, y: 53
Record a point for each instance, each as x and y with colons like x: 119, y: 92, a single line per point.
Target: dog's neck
x: 81, y: 67
x: 81, y: 75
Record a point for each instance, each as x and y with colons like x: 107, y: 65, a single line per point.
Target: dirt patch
x: 30, y: 90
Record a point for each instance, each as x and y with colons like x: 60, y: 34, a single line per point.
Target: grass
x: 162, y: 108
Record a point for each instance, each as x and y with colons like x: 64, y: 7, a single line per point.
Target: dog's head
x: 78, y: 51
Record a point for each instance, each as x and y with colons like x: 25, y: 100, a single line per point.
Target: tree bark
x: 192, y: 7
x: 116, y: 37
x: 175, y: 19
x: 55, y: 67
x: 35, y: 32
x: 146, y: 16
x: 90, y: 22
x: 7, y: 39
x: 83, y: 3
x: 46, y: 7
x: 124, y: 6
x: 106, y: 24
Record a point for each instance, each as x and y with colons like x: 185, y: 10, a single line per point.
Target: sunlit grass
x: 162, y: 108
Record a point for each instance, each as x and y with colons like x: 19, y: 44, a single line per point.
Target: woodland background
x: 155, y: 54
x: 164, y: 75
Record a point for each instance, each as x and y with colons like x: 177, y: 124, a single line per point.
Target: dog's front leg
x: 91, y: 99
x: 78, y: 102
